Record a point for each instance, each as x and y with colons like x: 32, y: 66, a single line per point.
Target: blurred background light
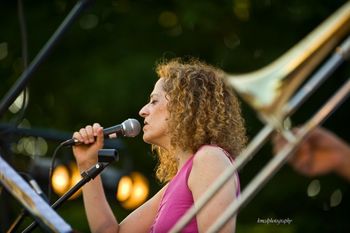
x: 64, y: 178
x: 132, y: 190
x: 232, y: 41
x: 336, y: 198
x: 124, y: 188
x: 32, y: 146
x: 18, y: 103
x: 241, y: 9
x: 314, y: 188
x: 29, y: 145
x: 25, y: 123
x: 3, y: 50
x: 121, y: 6
x: 60, y: 179
x: 168, y: 19
x: 88, y: 21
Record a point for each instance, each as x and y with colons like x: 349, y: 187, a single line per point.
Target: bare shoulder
x: 208, y: 163
x: 211, y: 156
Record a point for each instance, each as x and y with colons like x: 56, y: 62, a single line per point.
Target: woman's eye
x: 153, y: 101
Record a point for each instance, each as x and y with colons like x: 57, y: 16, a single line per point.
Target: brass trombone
x: 268, y: 91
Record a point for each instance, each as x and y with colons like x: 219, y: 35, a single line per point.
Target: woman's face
x: 155, y: 114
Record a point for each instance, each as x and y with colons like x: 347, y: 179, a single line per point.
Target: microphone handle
x: 70, y: 142
x: 117, y: 129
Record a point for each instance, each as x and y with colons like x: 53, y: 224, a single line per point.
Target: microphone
x: 129, y: 128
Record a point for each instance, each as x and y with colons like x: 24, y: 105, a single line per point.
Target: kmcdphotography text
x: 274, y: 221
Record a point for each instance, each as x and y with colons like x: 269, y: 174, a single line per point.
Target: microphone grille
x: 131, y: 127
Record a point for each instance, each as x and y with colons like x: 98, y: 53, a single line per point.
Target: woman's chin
x: 146, y: 139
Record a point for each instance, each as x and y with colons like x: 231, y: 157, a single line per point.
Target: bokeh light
x: 64, y: 178
x: 132, y: 190
x: 314, y: 188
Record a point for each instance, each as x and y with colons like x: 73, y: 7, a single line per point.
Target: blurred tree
x: 102, y: 71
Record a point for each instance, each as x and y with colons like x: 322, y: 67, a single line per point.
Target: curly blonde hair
x: 203, y: 110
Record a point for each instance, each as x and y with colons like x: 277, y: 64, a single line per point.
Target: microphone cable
x: 53, y: 159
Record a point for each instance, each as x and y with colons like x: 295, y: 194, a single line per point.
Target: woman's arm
x: 141, y: 219
x: 208, y: 164
x: 99, y: 214
x: 98, y: 211
x: 101, y: 218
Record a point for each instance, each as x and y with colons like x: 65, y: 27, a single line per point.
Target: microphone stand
x: 105, y: 157
x: 20, y: 84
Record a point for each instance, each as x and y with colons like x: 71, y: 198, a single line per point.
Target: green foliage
x: 102, y: 70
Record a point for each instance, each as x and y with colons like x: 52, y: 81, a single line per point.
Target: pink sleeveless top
x: 177, y: 199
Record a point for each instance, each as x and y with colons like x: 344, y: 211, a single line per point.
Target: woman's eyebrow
x: 152, y: 95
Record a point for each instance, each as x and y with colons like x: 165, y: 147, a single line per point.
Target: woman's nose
x: 143, y: 112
